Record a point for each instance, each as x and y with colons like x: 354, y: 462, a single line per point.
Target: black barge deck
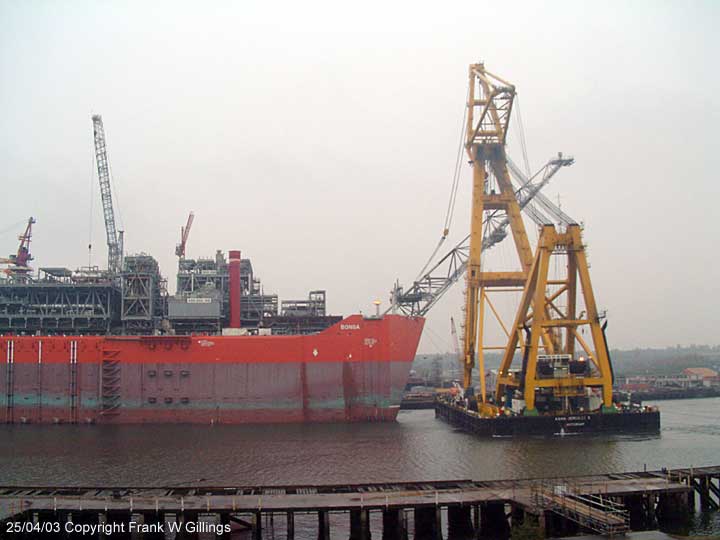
x: 646, y: 420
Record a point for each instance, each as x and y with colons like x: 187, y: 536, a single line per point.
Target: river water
x: 416, y: 447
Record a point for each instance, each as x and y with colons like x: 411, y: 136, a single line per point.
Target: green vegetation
x: 667, y: 361
x: 527, y: 529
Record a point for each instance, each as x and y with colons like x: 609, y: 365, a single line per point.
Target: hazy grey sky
x: 320, y: 138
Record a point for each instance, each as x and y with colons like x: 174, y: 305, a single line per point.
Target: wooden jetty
x: 609, y: 504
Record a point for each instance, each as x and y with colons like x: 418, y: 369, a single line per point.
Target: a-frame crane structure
x: 551, y: 380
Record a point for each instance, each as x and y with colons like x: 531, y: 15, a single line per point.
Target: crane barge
x: 551, y: 379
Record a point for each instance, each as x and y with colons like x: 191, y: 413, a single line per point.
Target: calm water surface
x: 416, y: 447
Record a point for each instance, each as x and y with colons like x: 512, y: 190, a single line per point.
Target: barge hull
x: 573, y: 424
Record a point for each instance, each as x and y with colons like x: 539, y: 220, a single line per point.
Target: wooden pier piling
x: 638, y: 501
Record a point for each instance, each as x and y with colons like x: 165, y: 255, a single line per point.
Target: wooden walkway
x: 595, y: 502
x: 592, y: 512
x: 15, y: 499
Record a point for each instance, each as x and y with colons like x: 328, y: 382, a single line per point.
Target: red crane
x: 19, y: 261
x: 184, y: 233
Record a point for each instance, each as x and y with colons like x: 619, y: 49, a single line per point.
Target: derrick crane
x: 18, y: 261
x: 184, y: 233
x: 538, y: 199
x: 114, y: 239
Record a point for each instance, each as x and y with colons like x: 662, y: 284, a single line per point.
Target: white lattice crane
x: 114, y: 238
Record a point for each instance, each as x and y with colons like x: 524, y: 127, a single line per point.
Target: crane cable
x: 430, y: 333
x: 456, y: 176
x: 90, y: 212
x: 453, y: 191
x: 523, y: 145
x: 13, y: 227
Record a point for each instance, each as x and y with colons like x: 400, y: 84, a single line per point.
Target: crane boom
x: 103, y: 167
x: 553, y: 211
x: 435, y: 282
x: 23, y: 253
x: 184, y: 234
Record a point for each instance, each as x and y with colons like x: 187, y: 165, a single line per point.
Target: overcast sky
x: 320, y: 139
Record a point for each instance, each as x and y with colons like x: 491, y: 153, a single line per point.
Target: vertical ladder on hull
x: 39, y: 382
x: 10, y: 382
x: 110, y: 383
x: 73, y: 383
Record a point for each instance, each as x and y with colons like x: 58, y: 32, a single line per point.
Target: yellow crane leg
x: 470, y: 343
x: 537, y: 289
x: 601, y: 353
x: 481, y: 351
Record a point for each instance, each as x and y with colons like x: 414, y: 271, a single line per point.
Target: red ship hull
x: 354, y: 370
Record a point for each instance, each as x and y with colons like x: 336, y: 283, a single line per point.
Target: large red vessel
x: 112, y: 346
x: 355, y: 370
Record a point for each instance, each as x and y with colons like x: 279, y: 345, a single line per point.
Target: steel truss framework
x: 540, y: 316
x: 53, y: 308
x: 314, y: 306
x: 194, y: 274
x: 144, y: 295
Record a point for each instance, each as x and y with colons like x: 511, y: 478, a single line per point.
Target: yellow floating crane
x: 501, y: 194
x: 556, y: 379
